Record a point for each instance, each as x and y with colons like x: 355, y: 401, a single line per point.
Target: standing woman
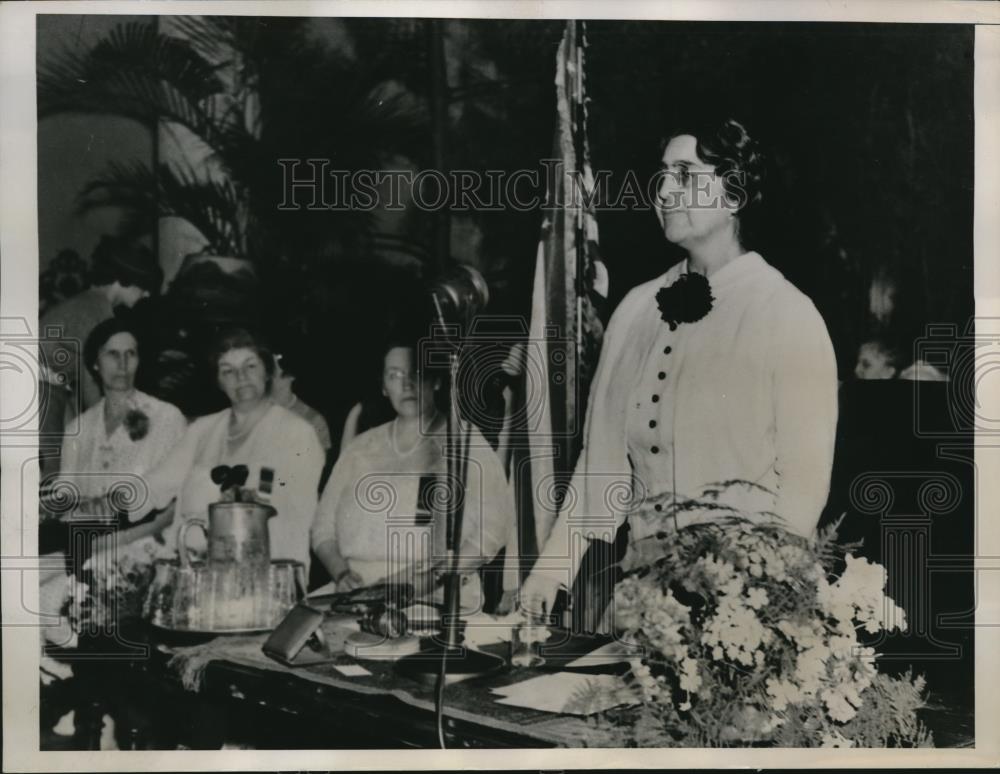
x: 719, y: 370
x: 254, y: 431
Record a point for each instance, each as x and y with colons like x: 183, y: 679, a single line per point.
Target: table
x: 271, y: 705
x: 234, y: 693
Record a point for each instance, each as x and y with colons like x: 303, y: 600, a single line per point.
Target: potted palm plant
x: 225, y: 99
x: 203, y: 85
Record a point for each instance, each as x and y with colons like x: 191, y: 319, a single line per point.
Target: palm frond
x: 212, y: 35
x: 130, y: 185
x: 208, y: 35
x: 135, y: 72
x: 194, y: 75
x: 211, y: 206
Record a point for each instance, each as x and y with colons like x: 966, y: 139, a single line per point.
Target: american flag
x: 565, y: 331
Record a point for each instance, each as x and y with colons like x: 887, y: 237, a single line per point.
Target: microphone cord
x: 439, y: 699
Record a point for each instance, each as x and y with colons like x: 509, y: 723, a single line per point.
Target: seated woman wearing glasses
x: 381, y: 517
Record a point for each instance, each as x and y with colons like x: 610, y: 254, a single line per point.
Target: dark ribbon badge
x: 686, y: 300
x: 230, y: 477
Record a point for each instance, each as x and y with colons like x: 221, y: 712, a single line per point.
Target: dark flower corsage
x: 686, y: 300
x: 137, y: 424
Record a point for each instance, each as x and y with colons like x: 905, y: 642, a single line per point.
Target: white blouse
x: 93, y: 461
x: 371, y: 505
x: 747, y: 393
x: 281, y: 440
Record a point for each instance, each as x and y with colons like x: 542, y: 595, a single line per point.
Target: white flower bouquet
x: 750, y: 635
x: 112, y: 589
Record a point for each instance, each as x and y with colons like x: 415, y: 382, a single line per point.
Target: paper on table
x: 611, y: 653
x: 329, y: 588
x: 351, y: 670
x: 484, y: 629
x: 542, y: 682
x: 568, y: 693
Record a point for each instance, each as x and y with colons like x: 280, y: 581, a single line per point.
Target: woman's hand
x: 538, y: 594
x: 507, y: 603
x: 424, y: 579
x: 349, y: 581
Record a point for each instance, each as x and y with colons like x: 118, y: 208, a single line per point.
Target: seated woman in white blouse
x: 727, y: 375
x: 127, y: 433
x: 377, y: 518
x: 254, y: 431
x: 117, y: 442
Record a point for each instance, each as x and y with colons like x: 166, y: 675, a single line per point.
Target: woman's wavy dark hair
x: 738, y: 160
x: 240, y: 338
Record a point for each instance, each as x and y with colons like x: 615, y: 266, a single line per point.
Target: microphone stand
x: 446, y: 659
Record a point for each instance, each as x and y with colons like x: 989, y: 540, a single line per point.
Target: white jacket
x: 748, y: 392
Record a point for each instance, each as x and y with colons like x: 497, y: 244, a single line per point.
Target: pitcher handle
x: 300, y: 581
x: 182, y: 549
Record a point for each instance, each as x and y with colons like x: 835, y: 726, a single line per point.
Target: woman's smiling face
x: 692, y: 204
x: 242, y: 376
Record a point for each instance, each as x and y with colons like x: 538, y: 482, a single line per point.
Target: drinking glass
x: 285, y: 587
x: 526, y: 642
x: 159, y: 606
x: 187, y: 611
x: 230, y: 607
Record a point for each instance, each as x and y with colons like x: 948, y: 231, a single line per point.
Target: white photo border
x: 19, y: 289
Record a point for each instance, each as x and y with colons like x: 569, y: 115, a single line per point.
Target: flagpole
x: 579, y: 129
x: 561, y: 301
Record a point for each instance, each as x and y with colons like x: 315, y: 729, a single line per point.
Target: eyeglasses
x: 400, y: 376
x: 249, y: 368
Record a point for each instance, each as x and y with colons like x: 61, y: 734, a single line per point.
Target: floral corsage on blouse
x: 137, y: 424
x: 686, y: 300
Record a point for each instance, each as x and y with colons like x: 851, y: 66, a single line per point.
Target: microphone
x: 459, y: 294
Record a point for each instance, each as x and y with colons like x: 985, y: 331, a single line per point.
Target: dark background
x: 869, y: 130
